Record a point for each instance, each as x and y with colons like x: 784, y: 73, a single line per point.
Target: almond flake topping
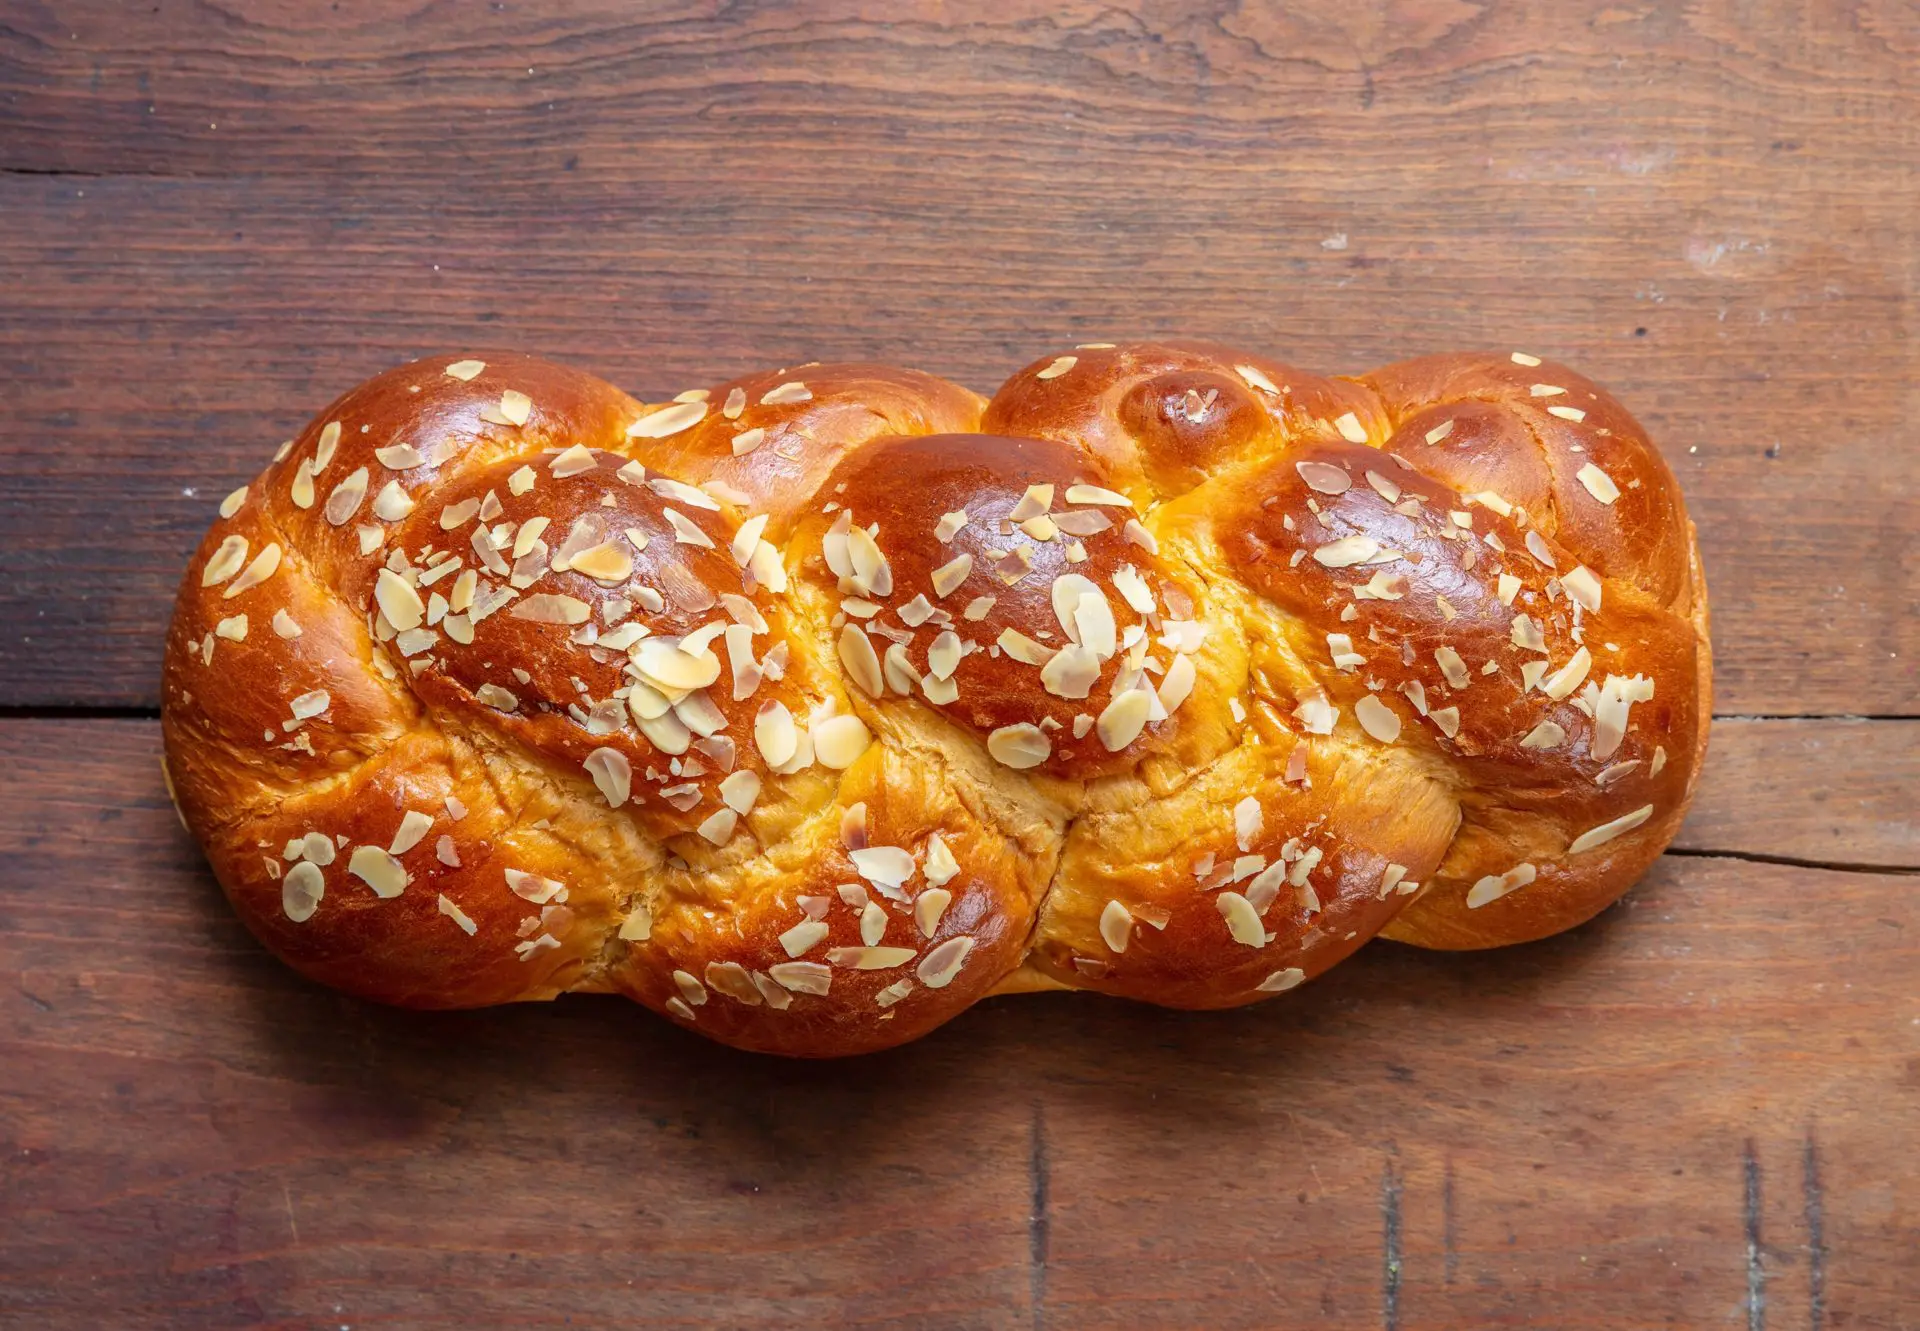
x: 804, y: 937
x: 309, y: 705
x: 301, y: 891
x: 346, y: 497
x: 668, y: 421
x: 378, y: 870
x: 612, y: 774
x: 1059, y: 366
x: 413, y: 826
x: 1495, y: 886
x: 300, y: 490
x: 606, y: 562
x: 1347, y: 551
x: 573, y: 461
x: 1124, y: 718
x: 1598, y: 483
x: 399, y: 457
x: 263, y: 567
x: 465, y: 370
x: 861, y: 661
x: 1599, y: 836
x: 1243, y: 921
x: 1610, y: 710
x: 1037, y: 501
x: 1546, y: 735
x: 1377, y: 719
x: 392, y: 503
x: 1525, y: 633
x: 1537, y: 547
x: 928, y: 909
x: 948, y: 577
x: 516, y: 406
x: 1019, y: 746
x: 940, y: 867
x: 1350, y: 429
x: 802, y: 977
x: 684, y: 530
x: 839, y: 741
x: 1324, y: 477
x: 869, y: 958
x: 1282, y: 980
x: 225, y: 561
x: 638, y: 926
x: 791, y: 391
x: 1583, y: 587
x: 1255, y: 378
x: 548, y: 608
x: 775, y: 734
x: 1569, y: 676
x: 937, y: 969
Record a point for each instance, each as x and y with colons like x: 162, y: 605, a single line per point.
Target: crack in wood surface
x: 1790, y: 861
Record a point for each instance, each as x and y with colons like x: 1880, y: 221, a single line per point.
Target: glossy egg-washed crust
x: 1172, y: 672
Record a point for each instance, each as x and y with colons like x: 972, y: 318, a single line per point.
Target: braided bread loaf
x: 811, y: 708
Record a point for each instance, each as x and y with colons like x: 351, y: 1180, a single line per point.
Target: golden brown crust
x: 813, y: 707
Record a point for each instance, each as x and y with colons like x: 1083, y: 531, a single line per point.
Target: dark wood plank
x: 1832, y: 792
x: 1707, y: 1093
x: 98, y: 88
x: 1716, y: 215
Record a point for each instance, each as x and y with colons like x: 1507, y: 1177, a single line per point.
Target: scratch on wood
x: 1038, y: 1220
x: 1390, y: 1247
x: 1816, y: 1208
x: 1756, y: 1276
x: 286, y: 1195
x: 1449, y: 1238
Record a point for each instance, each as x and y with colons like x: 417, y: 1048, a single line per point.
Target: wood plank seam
x: 1791, y: 861
x: 1814, y: 1207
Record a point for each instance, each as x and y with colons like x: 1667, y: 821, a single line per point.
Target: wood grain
x: 1822, y: 792
x: 1563, y: 1132
x: 1696, y: 1111
x: 1712, y: 211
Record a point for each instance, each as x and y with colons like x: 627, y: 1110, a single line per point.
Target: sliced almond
x: 1019, y: 746
x: 378, y: 870
x: 937, y: 969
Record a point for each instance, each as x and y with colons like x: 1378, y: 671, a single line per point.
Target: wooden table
x: 1700, y: 1110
